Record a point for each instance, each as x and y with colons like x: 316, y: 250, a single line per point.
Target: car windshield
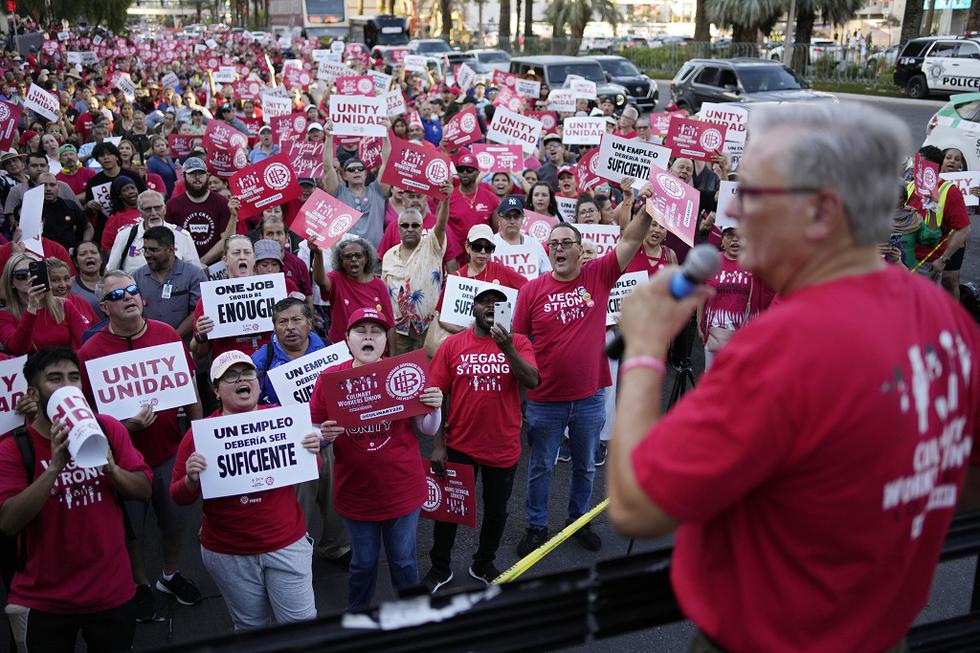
x: 769, y: 78
x: 494, y: 57
x: 433, y: 46
x: 590, y: 71
x: 619, y: 68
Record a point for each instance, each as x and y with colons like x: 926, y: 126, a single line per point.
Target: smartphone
x: 39, y: 270
x: 503, y: 314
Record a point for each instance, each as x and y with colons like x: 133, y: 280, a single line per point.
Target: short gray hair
x: 851, y: 148
x: 111, y: 274
x: 413, y: 213
x: 147, y: 195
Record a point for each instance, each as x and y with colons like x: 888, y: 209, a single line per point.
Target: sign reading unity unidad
x: 241, y: 307
x: 13, y: 386
x: 294, y: 380
x: 255, y: 451
x: 159, y: 376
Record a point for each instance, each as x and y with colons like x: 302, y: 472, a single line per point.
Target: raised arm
x: 385, y: 153
x: 624, y: 212
x: 631, y: 238
x: 329, y: 181
x: 320, y: 277
x: 442, y: 213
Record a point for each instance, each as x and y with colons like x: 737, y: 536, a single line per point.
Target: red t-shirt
x: 739, y: 295
x: 76, y: 545
x: 158, y: 442
x: 204, y: 221
x: 155, y: 182
x: 567, y: 321
x: 377, y: 469
x: 242, y: 524
x: 77, y: 180
x: 347, y: 295
x: 643, y: 263
x: 814, y: 501
x: 954, y: 217
x: 50, y: 248
x: 466, y: 210
x: 85, y: 309
x: 117, y: 222
x: 484, y: 417
x: 247, y: 344
x: 392, y: 238
x: 34, y: 331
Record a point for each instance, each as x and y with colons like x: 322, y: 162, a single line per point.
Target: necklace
x: 469, y: 201
x: 137, y: 334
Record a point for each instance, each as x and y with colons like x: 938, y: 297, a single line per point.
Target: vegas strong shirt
x: 204, y: 221
x: 484, y: 417
x: 566, y: 321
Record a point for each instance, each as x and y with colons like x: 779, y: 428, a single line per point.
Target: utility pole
x: 790, y: 37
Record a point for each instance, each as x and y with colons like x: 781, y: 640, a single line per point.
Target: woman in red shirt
x: 34, y: 318
x: 59, y: 278
x: 254, y: 546
x: 379, y: 482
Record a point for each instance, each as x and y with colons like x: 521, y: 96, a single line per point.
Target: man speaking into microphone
x: 812, y: 474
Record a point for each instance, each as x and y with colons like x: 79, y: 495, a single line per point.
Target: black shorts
x: 956, y: 260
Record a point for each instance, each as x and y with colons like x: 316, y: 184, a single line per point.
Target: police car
x: 957, y: 124
x: 939, y: 64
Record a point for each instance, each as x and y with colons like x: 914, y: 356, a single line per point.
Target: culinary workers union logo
x: 405, y: 381
x: 711, y: 139
x: 437, y: 171
x: 277, y: 176
x: 365, y: 86
x: 484, y: 160
x: 929, y: 178
x: 339, y: 226
x: 670, y: 185
x: 468, y: 122
x: 241, y: 158
x: 433, y: 497
x: 4, y: 112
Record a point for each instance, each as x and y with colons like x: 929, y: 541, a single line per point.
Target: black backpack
x: 13, y: 548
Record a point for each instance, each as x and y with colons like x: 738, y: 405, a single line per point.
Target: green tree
x: 746, y: 18
x: 576, y: 14
x: 836, y: 12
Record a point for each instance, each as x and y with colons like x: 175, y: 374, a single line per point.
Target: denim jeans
x: 546, y: 422
x: 399, y: 536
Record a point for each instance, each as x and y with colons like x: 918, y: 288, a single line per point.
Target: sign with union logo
x: 452, y: 496
x: 674, y: 205
x: 695, y: 139
x: 379, y: 392
x: 324, y: 218
x: 262, y: 185
x: 415, y: 167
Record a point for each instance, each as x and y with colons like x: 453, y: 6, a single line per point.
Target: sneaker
x: 485, y: 572
x: 533, y: 538
x: 436, y: 578
x: 145, y: 610
x: 586, y: 537
x: 565, y: 451
x: 181, y: 589
x: 600, y: 454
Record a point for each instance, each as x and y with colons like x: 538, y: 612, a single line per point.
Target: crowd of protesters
x: 130, y: 228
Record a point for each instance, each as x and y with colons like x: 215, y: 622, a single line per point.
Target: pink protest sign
x: 674, y: 205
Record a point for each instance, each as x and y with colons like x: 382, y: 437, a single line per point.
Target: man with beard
x: 98, y: 189
x: 201, y: 213
x: 472, y: 203
x: 127, y: 249
x: 155, y: 435
x: 169, y: 286
x: 71, y: 580
x: 63, y: 222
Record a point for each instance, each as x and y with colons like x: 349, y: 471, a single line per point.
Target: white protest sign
x: 624, y: 286
x: 730, y: 114
x: 561, y: 100
x: 225, y: 75
x: 465, y: 77
x: 583, y: 89
x: 255, y: 451
x: 509, y: 128
x: 13, y: 386
x: 125, y: 84
x: 211, y: 43
x: 319, y: 54
x: 457, y: 301
x: 523, y: 259
x: 415, y: 63
x: 357, y: 115
x: 243, y: 306
x: 102, y: 193
x: 528, y: 88
x: 170, y: 80
x: 30, y: 220
x: 734, y: 152
x: 273, y: 105
x: 294, y: 380
x: 382, y: 82
x: 73, y: 58
x: 726, y: 193
x: 394, y: 103
x: 621, y: 158
x: 337, y: 47
x: 42, y: 102
x: 605, y: 236
x: 964, y: 181
x: 328, y: 70
x: 123, y: 383
x: 583, y: 131
x: 566, y: 207
x: 87, y: 443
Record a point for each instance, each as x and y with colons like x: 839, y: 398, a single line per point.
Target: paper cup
x: 87, y: 443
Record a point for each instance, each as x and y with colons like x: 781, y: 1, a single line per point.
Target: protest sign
x: 255, y: 451
x: 586, y: 178
x: 379, y: 392
x: 247, y: 89
x: 170, y: 80
x: 180, y: 145
x: 243, y: 306
x: 416, y: 167
x: 605, y: 236
x: 273, y: 105
x: 528, y: 88
x: 225, y: 163
x: 503, y: 80
x: 265, y: 184
x: 305, y: 158
x: 296, y: 78
x: 337, y: 47
x: 357, y: 52
x: 102, y: 193
x: 509, y: 99
x: 124, y: 83
x: 620, y: 158
x: 582, y: 89
x: 660, y: 122
x: 465, y: 77
x: 561, y: 100
x: 294, y: 381
x: 734, y: 117
x: 566, y: 207
x: 325, y: 218
x: 369, y: 151
x: 726, y: 193
x: 523, y: 259
x: 394, y: 103
x: 13, y: 386
x: 414, y: 63
x: 965, y: 181
x: 452, y: 497
x: 463, y: 128
x: 319, y: 54
x: 694, y: 139
x: 32, y: 206
x: 222, y: 136
x: 328, y: 71
x: 509, y: 128
x: 457, y: 300
x: 538, y: 225
x: 674, y: 205
x: 549, y: 119
x: 734, y: 152
x: 43, y: 103
x: 225, y: 75
x: 87, y: 444
x: 290, y: 127
x: 159, y: 376
x: 583, y: 131
x: 357, y: 116
x: 499, y: 158
x: 356, y: 85
x: 624, y: 286
x: 381, y: 81
x: 926, y: 175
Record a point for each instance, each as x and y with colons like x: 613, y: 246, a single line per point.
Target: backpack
x: 13, y: 548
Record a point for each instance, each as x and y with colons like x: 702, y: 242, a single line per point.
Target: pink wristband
x: 647, y: 362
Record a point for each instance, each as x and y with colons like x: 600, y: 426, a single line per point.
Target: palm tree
x: 446, y: 14
x: 911, y: 20
x: 832, y: 11
x: 973, y: 18
x: 576, y: 14
x: 746, y: 17
x: 503, y: 32
x: 702, y: 26
x: 927, y: 23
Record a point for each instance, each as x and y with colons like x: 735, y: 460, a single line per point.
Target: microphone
x: 702, y: 263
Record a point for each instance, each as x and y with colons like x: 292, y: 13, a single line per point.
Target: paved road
x: 950, y: 594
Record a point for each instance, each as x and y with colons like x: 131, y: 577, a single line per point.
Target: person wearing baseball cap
x: 510, y: 231
x: 254, y: 546
x: 269, y: 260
x: 200, y: 212
x: 556, y: 157
x: 472, y: 203
x: 379, y: 482
x: 351, y: 188
x: 627, y: 122
x: 567, y: 183
x: 265, y: 147
x: 314, y: 132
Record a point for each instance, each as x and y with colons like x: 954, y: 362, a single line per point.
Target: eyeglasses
x: 741, y: 192
x: 117, y: 294
x: 355, y: 169
x: 353, y: 256
x: 564, y: 244
x: 410, y: 225
x: 479, y: 248
x: 154, y: 208
x: 22, y: 275
x: 244, y: 375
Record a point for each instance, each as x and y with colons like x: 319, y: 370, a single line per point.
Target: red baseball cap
x: 466, y: 160
x: 368, y: 315
x: 566, y: 170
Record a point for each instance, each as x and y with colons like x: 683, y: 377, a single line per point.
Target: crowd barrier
x: 551, y: 611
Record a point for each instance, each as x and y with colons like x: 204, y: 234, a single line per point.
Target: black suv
x: 938, y: 64
x: 553, y: 69
x: 641, y: 89
x: 742, y: 79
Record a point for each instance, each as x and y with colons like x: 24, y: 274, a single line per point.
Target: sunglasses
x: 355, y: 169
x: 410, y: 225
x: 22, y: 275
x: 480, y: 247
x: 117, y: 294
